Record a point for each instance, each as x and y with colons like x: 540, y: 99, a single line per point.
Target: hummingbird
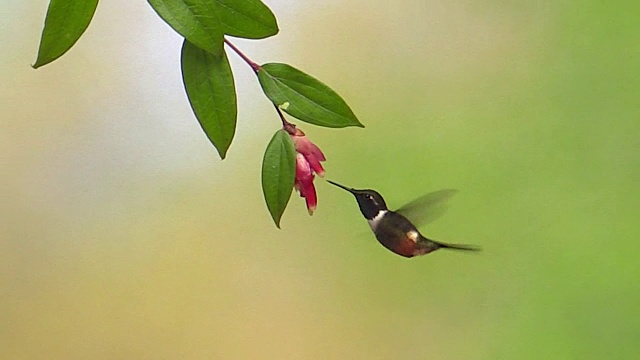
x: 393, y: 230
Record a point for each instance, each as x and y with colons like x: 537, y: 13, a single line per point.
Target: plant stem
x: 244, y: 57
x: 287, y: 126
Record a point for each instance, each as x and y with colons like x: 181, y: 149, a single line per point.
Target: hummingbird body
x: 397, y: 233
x: 393, y: 230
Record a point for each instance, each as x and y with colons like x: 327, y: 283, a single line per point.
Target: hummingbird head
x: 369, y: 201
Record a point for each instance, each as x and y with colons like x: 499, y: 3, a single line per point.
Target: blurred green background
x: 123, y: 236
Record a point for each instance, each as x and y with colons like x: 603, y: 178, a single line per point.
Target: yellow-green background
x: 123, y: 236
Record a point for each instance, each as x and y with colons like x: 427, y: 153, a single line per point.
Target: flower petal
x: 304, y: 146
x: 308, y: 160
x: 315, y: 165
x: 303, y: 170
x: 315, y: 151
x: 311, y: 198
x: 304, y: 182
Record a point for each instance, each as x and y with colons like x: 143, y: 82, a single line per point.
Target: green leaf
x: 278, y: 174
x: 250, y: 19
x: 304, y: 97
x: 66, y: 21
x: 208, y: 81
x: 196, y: 20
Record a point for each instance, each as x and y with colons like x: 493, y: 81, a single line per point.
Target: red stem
x: 244, y: 57
x: 287, y: 126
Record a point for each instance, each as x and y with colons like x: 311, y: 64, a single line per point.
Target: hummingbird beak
x: 341, y: 186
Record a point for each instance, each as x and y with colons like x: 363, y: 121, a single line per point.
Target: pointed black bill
x: 340, y: 186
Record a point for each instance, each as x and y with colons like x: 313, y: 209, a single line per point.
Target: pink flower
x: 311, y: 152
x: 304, y: 183
x: 308, y: 160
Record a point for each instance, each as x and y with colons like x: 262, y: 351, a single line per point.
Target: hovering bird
x: 392, y: 228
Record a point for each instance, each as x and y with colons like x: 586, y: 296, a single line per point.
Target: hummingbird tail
x: 458, y: 246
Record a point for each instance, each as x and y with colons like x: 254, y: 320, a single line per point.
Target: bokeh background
x: 123, y: 235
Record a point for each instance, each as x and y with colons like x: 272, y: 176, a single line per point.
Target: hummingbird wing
x: 427, y: 208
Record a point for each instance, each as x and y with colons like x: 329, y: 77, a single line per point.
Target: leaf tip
x: 222, y: 152
x: 276, y: 219
x: 38, y: 64
x: 355, y: 123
